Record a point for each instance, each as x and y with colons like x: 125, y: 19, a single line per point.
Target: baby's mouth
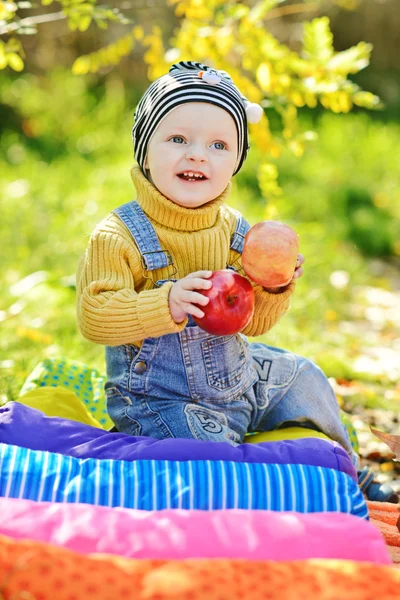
x: 192, y: 176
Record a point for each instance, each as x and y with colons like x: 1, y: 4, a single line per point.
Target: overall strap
x: 143, y: 232
x: 237, y: 240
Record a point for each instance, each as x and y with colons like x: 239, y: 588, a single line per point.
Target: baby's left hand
x: 298, y: 272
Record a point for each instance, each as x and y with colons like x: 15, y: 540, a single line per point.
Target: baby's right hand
x: 183, y: 300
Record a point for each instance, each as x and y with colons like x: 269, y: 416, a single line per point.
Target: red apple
x: 231, y: 304
x: 270, y: 253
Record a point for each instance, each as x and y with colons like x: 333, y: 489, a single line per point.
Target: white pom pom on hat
x: 254, y: 112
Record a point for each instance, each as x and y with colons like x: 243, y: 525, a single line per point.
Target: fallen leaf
x: 392, y: 440
x: 387, y: 467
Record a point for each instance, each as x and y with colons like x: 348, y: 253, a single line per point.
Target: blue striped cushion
x: 157, y: 484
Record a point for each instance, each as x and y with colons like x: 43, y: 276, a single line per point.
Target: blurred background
x: 66, y: 152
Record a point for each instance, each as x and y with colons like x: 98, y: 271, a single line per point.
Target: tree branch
x: 293, y: 9
x: 58, y: 16
x: 32, y: 21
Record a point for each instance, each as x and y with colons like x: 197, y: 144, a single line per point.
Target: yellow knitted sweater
x: 117, y: 302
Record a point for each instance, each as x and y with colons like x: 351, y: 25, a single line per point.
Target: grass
x: 66, y: 166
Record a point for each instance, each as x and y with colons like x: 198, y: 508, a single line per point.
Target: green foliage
x: 370, y: 226
x: 260, y: 9
x: 318, y: 41
x: 107, y: 56
x: 232, y: 36
x: 11, y: 54
x: 80, y: 14
x: 353, y: 183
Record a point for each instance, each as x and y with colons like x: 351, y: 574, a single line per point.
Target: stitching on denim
x: 118, y: 392
x: 188, y: 365
x: 158, y: 420
x: 215, y: 380
x: 154, y: 343
x: 144, y: 234
x: 134, y: 421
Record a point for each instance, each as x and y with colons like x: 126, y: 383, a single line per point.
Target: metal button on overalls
x: 140, y: 367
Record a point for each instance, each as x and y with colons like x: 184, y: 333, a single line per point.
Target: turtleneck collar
x: 167, y: 213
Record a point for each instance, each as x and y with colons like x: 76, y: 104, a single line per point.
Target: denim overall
x: 196, y: 385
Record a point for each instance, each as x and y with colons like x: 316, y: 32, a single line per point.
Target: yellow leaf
x: 296, y: 147
x: 138, y: 32
x: 311, y: 100
x: 387, y: 467
x: 268, y: 180
x: 297, y: 98
x: 34, y: 335
x: 330, y: 315
x: 224, y: 41
x: 15, y: 61
x: 325, y: 101
x: 84, y: 22
x: 263, y: 75
x: 275, y: 150
x: 3, y: 57
x: 318, y: 40
x: 81, y: 66
x: 366, y: 100
x: 124, y: 45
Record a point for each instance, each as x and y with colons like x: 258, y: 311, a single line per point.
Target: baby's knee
x: 312, y: 375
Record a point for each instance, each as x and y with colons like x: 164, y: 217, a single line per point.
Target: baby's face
x: 194, y: 139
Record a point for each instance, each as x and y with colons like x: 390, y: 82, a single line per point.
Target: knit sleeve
x: 109, y: 309
x: 269, y: 307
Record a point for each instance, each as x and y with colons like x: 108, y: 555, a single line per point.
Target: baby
x: 140, y: 282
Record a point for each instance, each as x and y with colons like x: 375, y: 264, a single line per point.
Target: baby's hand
x: 298, y: 272
x: 183, y: 300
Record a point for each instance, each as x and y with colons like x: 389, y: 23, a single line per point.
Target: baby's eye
x: 178, y: 139
x: 220, y: 145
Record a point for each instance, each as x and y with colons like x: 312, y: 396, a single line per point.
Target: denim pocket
x: 225, y: 359
x: 218, y: 368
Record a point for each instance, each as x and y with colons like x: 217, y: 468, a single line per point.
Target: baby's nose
x: 196, y: 153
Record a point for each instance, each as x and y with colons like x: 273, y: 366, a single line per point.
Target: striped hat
x: 189, y: 81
